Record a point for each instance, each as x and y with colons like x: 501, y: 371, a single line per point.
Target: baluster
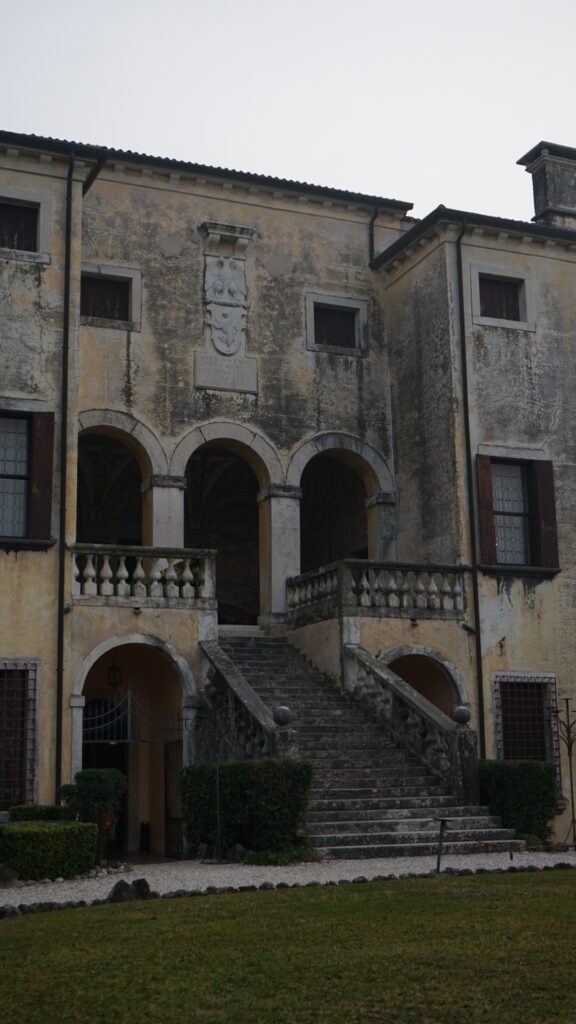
x: 171, y: 589
x: 364, y: 597
x: 122, y: 587
x: 156, y: 588
x: 433, y: 599
x: 348, y: 587
x: 322, y: 587
x: 446, y: 591
x: 458, y: 594
x: 89, y: 587
x: 420, y: 600
x: 392, y: 599
x: 188, y: 588
x: 315, y: 589
x: 138, y: 577
x: 378, y: 585
x: 106, y: 588
x: 76, y: 589
x: 405, y: 600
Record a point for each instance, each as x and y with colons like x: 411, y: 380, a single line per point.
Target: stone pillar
x: 77, y: 703
x: 163, y: 511
x: 381, y: 521
x: 279, y: 549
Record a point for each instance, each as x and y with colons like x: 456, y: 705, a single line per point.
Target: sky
x: 428, y: 102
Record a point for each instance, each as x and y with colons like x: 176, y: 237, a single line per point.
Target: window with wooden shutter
x: 26, y: 461
x: 516, y: 512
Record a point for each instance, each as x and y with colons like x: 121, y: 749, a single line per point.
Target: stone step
x: 320, y: 796
x: 423, y: 849
x: 371, y: 810
x: 484, y: 836
x: 359, y: 824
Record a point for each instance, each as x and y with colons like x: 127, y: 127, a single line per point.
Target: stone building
x: 243, y: 417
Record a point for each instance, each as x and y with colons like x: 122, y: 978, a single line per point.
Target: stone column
x: 381, y: 521
x: 77, y: 703
x: 163, y: 511
x: 279, y: 549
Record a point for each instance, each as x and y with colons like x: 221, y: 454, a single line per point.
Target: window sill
x: 118, y: 325
x: 338, y: 350
x: 544, y: 572
x: 25, y: 544
x: 26, y: 257
x: 508, y: 325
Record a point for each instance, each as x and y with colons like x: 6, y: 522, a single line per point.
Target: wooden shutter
x: 40, y: 480
x: 543, y: 515
x: 485, y: 514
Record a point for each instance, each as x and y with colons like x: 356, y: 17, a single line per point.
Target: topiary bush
x: 40, y: 812
x: 522, y: 793
x: 48, y: 849
x: 262, y: 803
x: 96, y: 796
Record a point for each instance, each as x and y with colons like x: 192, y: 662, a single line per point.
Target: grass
x: 491, y: 949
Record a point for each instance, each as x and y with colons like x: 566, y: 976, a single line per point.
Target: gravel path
x: 193, y: 874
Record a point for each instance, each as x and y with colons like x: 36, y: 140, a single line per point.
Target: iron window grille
x: 18, y: 689
x: 19, y: 227
x: 105, y: 298
x: 500, y: 297
x: 526, y: 717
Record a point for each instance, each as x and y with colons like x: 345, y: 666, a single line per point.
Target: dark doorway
x: 222, y: 513
x: 109, y: 492
x: 110, y: 755
x: 332, y: 513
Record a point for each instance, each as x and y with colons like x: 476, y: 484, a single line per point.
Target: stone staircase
x: 369, y: 798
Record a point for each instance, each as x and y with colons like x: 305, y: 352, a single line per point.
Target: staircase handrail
x: 447, y: 747
x: 239, y: 686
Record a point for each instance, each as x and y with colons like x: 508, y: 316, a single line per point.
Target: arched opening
x: 333, y: 523
x: 429, y: 678
x: 222, y: 513
x: 109, y: 505
x: 133, y: 722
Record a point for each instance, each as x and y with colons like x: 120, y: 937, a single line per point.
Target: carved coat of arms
x: 226, y: 299
x: 226, y: 325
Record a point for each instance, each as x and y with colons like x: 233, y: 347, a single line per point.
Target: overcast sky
x: 430, y: 102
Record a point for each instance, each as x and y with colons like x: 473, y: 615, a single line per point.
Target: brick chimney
x: 553, y: 170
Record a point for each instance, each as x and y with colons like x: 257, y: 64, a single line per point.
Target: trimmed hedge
x: 48, y: 849
x: 523, y: 793
x: 262, y: 803
x: 39, y: 812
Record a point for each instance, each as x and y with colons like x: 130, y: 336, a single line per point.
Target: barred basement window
x: 17, y: 733
x: 525, y: 711
x: 18, y: 227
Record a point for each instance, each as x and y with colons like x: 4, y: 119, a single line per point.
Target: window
x: 500, y: 297
x: 105, y: 298
x: 517, y: 512
x: 18, y: 226
x: 525, y: 713
x: 336, y: 324
x: 26, y: 447
x: 110, y: 296
x: 17, y: 733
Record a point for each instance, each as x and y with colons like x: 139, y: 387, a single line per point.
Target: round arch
x: 180, y: 664
x: 258, y: 452
x: 420, y: 651
x: 365, y: 459
x: 141, y: 441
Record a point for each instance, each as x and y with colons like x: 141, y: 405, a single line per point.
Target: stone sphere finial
x: 282, y: 715
x: 461, y: 714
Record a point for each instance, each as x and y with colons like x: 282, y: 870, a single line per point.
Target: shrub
x: 48, y: 849
x: 39, y: 812
x: 291, y: 855
x: 96, y: 797
x: 523, y: 793
x: 262, y: 803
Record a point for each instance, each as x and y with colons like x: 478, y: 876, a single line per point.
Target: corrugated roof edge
x: 21, y: 140
x: 444, y: 214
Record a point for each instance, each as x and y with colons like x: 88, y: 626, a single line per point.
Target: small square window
x: 18, y: 227
x: 500, y: 297
x: 334, y: 325
x: 105, y: 298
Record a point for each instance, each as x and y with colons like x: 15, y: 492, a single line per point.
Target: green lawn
x: 499, y: 949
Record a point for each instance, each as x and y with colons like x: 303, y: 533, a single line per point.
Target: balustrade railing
x: 446, y: 746
x: 136, y: 575
x: 383, y: 589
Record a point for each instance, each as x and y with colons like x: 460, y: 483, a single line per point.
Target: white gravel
x: 193, y: 874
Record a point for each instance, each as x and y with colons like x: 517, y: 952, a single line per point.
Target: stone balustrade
x: 381, y: 589
x: 121, y: 574
x: 448, y: 747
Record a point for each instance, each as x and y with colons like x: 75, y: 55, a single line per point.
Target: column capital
x: 380, y: 498
x: 163, y: 480
x: 280, y: 491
